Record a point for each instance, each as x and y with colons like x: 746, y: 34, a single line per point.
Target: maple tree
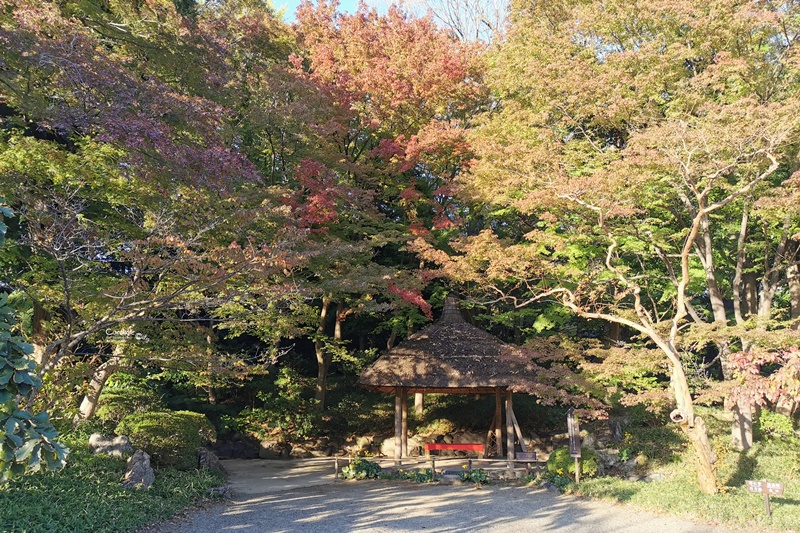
x: 628, y: 135
x: 133, y: 205
x: 387, y: 137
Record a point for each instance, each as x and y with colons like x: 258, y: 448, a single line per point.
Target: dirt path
x: 289, y: 496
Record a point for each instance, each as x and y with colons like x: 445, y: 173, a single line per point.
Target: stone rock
x: 272, y: 449
x: 617, y: 428
x: 224, y: 491
x: 116, y: 447
x: 609, y: 457
x: 321, y: 453
x: 588, y: 440
x: 209, y: 460
x: 655, y: 477
x: 287, y: 451
x: 552, y: 488
x: 299, y: 452
x: 414, y: 446
x: 364, y: 443
x: 468, y: 436
x: 139, y: 474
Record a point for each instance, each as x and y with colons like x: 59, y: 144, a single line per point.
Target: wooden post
x: 404, y: 421
x: 419, y: 403
x: 398, y: 426
x: 498, y: 417
x: 509, y: 425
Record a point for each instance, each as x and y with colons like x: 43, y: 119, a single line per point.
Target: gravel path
x: 265, y: 500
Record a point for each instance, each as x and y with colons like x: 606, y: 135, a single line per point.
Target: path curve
x: 302, y: 496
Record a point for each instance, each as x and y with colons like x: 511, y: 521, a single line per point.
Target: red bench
x: 463, y: 446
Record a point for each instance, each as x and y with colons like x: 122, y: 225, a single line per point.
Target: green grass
x: 774, y: 460
x: 87, y: 496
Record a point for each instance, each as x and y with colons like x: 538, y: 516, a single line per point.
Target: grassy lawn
x: 87, y: 496
x: 776, y: 459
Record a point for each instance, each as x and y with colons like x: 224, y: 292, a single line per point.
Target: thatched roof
x: 449, y: 356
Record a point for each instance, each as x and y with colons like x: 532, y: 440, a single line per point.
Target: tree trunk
x: 323, y: 357
x: 742, y: 428
x: 37, y: 334
x: 419, y: 403
x: 706, y: 471
x: 750, y: 293
x: 398, y: 426
x: 212, y: 397
x: 89, y: 403
x: 391, y: 340
x: 695, y: 429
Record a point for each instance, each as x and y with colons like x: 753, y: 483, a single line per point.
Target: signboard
x: 765, y: 487
x: 574, y: 434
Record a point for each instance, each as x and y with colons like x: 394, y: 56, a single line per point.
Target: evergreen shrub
x: 172, y: 438
x: 562, y: 464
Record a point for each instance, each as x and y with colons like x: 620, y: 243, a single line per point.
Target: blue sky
x: 346, y: 6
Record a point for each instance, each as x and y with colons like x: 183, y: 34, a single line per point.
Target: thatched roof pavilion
x: 451, y: 357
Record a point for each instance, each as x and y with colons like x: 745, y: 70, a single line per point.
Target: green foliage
x: 772, y: 425
x: 361, y: 468
x: 27, y: 442
x: 474, y: 475
x: 421, y: 475
x: 87, y: 497
x: 172, y: 438
x: 660, y: 444
x: 560, y: 463
x: 362, y: 413
x: 735, y: 507
x: 286, y: 412
x: 124, y: 394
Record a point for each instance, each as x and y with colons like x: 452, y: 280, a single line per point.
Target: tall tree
x: 388, y: 144
x: 627, y: 133
x: 134, y: 196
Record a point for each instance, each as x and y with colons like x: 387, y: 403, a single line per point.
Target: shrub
x: 286, y: 412
x: 773, y: 425
x: 562, y: 464
x: 477, y: 475
x: 170, y: 437
x: 125, y: 394
x: 361, y: 469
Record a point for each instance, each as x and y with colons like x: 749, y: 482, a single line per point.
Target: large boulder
x: 208, y: 459
x: 115, y: 447
x: 415, y: 444
x: 139, y: 474
x: 274, y: 449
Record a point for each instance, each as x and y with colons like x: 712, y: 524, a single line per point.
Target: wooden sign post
x: 574, y: 442
x: 766, y: 488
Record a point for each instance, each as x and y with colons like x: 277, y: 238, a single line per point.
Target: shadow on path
x: 391, y: 506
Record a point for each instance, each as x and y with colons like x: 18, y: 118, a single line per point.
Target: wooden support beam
x: 498, y: 417
x: 398, y: 426
x: 518, y: 431
x: 491, y: 449
x: 509, y: 425
x: 404, y: 421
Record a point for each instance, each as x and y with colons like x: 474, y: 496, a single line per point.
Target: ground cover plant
x: 773, y: 459
x: 86, y: 496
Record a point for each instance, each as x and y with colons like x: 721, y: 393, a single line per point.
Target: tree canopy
x: 202, y: 188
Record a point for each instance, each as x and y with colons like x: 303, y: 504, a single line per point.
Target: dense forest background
x: 209, y: 209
